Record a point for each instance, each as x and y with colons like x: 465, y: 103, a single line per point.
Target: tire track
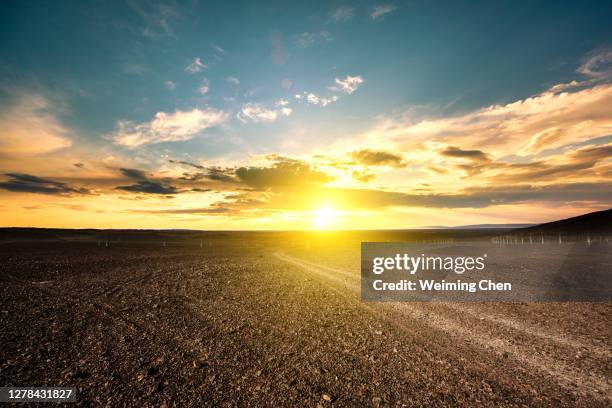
x: 598, y: 386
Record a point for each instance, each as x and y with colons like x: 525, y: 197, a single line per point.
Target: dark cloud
x: 452, y: 151
x: 221, y: 174
x: 25, y: 183
x: 186, y: 163
x: 79, y: 165
x: 377, y: 158
x: 134, y: 174
x: 362, y: 176
x: 145, y: 185
x: 282, y: 174
x: 212, y: 173
x: 150, y: 187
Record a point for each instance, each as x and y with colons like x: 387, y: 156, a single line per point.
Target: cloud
x: 25, y: 183
x: 171, y: 85
x: 341, y: 14
x: 475, y: 197
x: 313, y: 99
x: 134, y: 173
x: 144, y: 184
x: 284, y: 173
x: 597, y: 64
x: 379, y: 12
x: 348, y: 85
x: 149, y: 187
x: 362, y: 177
x: 307, y: 39
x: 280, y: 56
x: 219, y: 49
x: 224, y: 175
x: 456, y: 152
x: 573, y: 164
x: 168, y: 127
x: 212, y: 210
x: 31, y: 126
x: 157, y: 17
x: 220, y: 174
x: 542, y: 140
x: 529, y: 126
x: 377, y: 158
x: 196, y: 66
x: 233, y: 80
x: 186, y: 163
x: 205, y: 87
x: 255, y: 112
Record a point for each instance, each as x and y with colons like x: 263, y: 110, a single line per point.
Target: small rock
x: 326, y: 397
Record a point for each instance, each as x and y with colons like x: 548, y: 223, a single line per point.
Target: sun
x: 324, y: 217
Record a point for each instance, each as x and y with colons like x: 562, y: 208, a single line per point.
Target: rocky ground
x: 242, y: 323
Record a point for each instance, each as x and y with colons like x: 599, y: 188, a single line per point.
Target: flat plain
x: 276, y: 319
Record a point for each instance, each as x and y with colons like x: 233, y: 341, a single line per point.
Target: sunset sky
x: 299, y: 115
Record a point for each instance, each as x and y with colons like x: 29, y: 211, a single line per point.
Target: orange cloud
x: 31, y: 127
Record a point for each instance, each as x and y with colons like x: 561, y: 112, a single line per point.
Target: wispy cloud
x: 204, y: 87
x: 379, y: 12
x: 186, y: 163
x: 597, y: 64
x: 256, y: 112
x: 233, y: 80
x: 171, y: 85
x: 349, y: 84
x: 218, y: 49
x: 31, y: 126
x: 308, y: 38
x: 156, y: 16
x: 26, y: 183
x: 167, y: 127
x: 196, y: 66
x: 341, y: 14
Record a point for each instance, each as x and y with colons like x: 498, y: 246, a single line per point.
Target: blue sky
x: 106, y: 69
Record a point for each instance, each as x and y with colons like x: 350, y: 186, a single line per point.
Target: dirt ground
x: 242, y: 323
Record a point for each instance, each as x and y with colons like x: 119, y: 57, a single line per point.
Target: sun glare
x: 324, y: 217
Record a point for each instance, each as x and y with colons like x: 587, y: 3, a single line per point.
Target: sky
x: 303, y: 115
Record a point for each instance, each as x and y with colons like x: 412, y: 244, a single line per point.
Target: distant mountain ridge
x: 599, y: 222
x: 483, y: 226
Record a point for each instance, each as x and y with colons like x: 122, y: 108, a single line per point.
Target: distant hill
x: 483, y: 226
x: 599, y: 222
